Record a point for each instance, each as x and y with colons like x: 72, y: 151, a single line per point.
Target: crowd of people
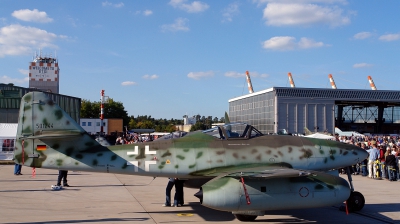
x: 383, y: 161
x: 132, y: 138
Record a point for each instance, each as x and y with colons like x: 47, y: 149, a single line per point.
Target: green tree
x: 132, y: 123
x: 90, y: 109
x: 112, y: 109
x: 198, y: 126
x: 170, y: 128
x: 145, y: 124
x: 215, y: 120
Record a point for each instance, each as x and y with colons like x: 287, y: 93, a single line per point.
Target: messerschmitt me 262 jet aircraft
x: 236, y: 167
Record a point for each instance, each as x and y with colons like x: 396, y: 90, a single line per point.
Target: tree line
x: 114, y: 109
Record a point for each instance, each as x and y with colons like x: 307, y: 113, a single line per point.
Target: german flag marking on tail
x: 41, y: 147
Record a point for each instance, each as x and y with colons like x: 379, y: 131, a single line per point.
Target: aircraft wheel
x: 245, y: 218
x: 355, y: 202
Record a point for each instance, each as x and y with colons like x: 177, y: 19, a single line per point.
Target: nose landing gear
x: 356, y: 200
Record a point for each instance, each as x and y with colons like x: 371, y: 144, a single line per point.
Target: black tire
x: 245, y: 218
x: 355, y: 202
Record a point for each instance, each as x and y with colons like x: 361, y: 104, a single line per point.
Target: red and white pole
x: 332, y: 81
x: 291, y: 80
x: 371, y: 83
x: 249, y: 85
x: 101, y: 112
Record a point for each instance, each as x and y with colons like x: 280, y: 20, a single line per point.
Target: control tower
x: 44, y: 73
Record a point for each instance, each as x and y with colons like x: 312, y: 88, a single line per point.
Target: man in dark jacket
x: 391, y: 165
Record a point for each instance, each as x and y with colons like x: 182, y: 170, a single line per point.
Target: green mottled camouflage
x: 69, y: 147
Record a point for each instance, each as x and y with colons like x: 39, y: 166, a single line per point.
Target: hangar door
x: 316, y: 117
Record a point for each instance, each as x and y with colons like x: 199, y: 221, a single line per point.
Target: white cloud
x: 147, y: 12
x: 362, y: 35
x: 257, y: 75
x: 291, y: 14
x: 128, y: 83
x: 32, y: 16
x: 115, y: 5
x: 233, y: 74
x: 362, y: 65
x: 24, y: 71
x: 389, y: 37
x: 179, y: 25
x: 286, y: 43
x: 6, y: 79
x: 306, y: 43
x: 194, y: 7
x: 21, y: 40
x: 282, y: 43
x: 229, y: 12
x: 150, y: 76
x: 344, y: 2
x: 199, y: 75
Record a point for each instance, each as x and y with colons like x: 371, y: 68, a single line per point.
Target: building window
x: 83, y: 123
x: 97, y: 123
x: 89, y: 123
x: 104, y: 124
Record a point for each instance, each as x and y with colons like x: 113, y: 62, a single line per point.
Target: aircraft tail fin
x: 307, y: 132
x: 43, y: 125
x: 227, y: 121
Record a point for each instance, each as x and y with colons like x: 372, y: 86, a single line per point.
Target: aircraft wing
x: 270, y: 172
x: 256, y: 172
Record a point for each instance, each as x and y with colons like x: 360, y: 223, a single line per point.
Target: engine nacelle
x: 227, y: 193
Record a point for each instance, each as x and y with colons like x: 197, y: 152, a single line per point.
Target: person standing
x: 373, y: 156
x: 170, y: 185
x: 391, y: 164
x: 178, y: 199
x: 62, y: 176
x: 17, y: 169
x: 364, y: 162
x: 382, y: 168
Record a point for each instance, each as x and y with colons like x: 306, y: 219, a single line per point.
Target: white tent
x: 320, y: 136
x: 8, y: 133
x: 8, y: 130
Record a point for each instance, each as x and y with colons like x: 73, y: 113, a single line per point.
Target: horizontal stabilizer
x: 61, y: 134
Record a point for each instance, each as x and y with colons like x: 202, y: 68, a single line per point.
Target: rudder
x: 44, y: 128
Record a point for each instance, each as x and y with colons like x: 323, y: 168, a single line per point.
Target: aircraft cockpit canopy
x: 234, y: 131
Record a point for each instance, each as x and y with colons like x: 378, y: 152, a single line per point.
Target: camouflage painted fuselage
x: 48, y: 138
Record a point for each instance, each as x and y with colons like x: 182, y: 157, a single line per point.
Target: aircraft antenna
x: 291, y: 80
x: 249, y: 82
x: 371, y: 83
x: 332, y: 81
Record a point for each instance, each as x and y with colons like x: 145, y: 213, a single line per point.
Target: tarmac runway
x: 113, y: 198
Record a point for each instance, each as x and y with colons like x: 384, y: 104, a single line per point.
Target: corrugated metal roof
x: 337, y: 94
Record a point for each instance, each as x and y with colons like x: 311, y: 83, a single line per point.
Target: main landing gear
x: 245, y: 218
x: 356, y: 200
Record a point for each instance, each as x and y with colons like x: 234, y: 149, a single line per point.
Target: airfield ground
x: 110, y: 198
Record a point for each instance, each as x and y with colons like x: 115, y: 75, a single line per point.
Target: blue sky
x: 171, y: 58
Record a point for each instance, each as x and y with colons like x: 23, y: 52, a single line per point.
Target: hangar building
x: 293, y: 109
x: 10, y: 99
